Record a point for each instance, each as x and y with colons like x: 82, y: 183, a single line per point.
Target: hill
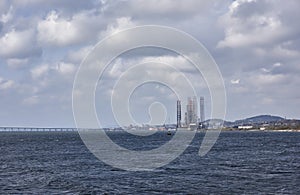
x: 259, y: 119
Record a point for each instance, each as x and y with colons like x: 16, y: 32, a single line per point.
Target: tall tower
x: 191, y: 111
x: 202, y: 117
x: 195, y: 110
x: 178, y: 113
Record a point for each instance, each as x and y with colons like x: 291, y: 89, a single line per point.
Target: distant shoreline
x: 266, y: 130
x: 200, y: 131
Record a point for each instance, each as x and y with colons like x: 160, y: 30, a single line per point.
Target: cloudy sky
x: 42, y: 43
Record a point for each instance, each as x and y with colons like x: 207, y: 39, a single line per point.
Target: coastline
x: 266, y: 130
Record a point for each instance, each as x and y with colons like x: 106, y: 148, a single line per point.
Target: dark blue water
x: 239, y: 163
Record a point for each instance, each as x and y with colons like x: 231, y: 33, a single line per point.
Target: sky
x: 255, y: 43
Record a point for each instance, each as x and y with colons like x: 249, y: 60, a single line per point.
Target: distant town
x: 256, y: 123
x: 261, y: 122
x: 193, y: 122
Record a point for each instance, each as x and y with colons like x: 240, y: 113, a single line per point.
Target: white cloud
x: 66, y: 68
x: 39, y: 71
x: 235, y: 81
x: 277, y: 52
x: 6, y: 17
x: 258, y: 50
x: 117, y: 68
x: 164, y: 9
x: 161, y: 66
x: 284, y: 52
x: 252, y: 22
x: 120, y: 24
x: 19, y: 44
x: 260, y: 80
x: 31, y: 100
x: 6, y: 84
x: 46, y: 72
x: 178, y: 62
x: 16, y: 63
x: 56, y: 30
x: 277, y: 64
x: 78, y: 55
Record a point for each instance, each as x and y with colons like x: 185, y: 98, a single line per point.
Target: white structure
x: 245, y: 127
x: 202, y: 117
x: 191, y: 115
x: 178, y: 113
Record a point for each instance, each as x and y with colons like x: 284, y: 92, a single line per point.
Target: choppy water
x: 239, y: 163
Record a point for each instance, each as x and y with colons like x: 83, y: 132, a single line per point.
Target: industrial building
x: 191, y: 114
